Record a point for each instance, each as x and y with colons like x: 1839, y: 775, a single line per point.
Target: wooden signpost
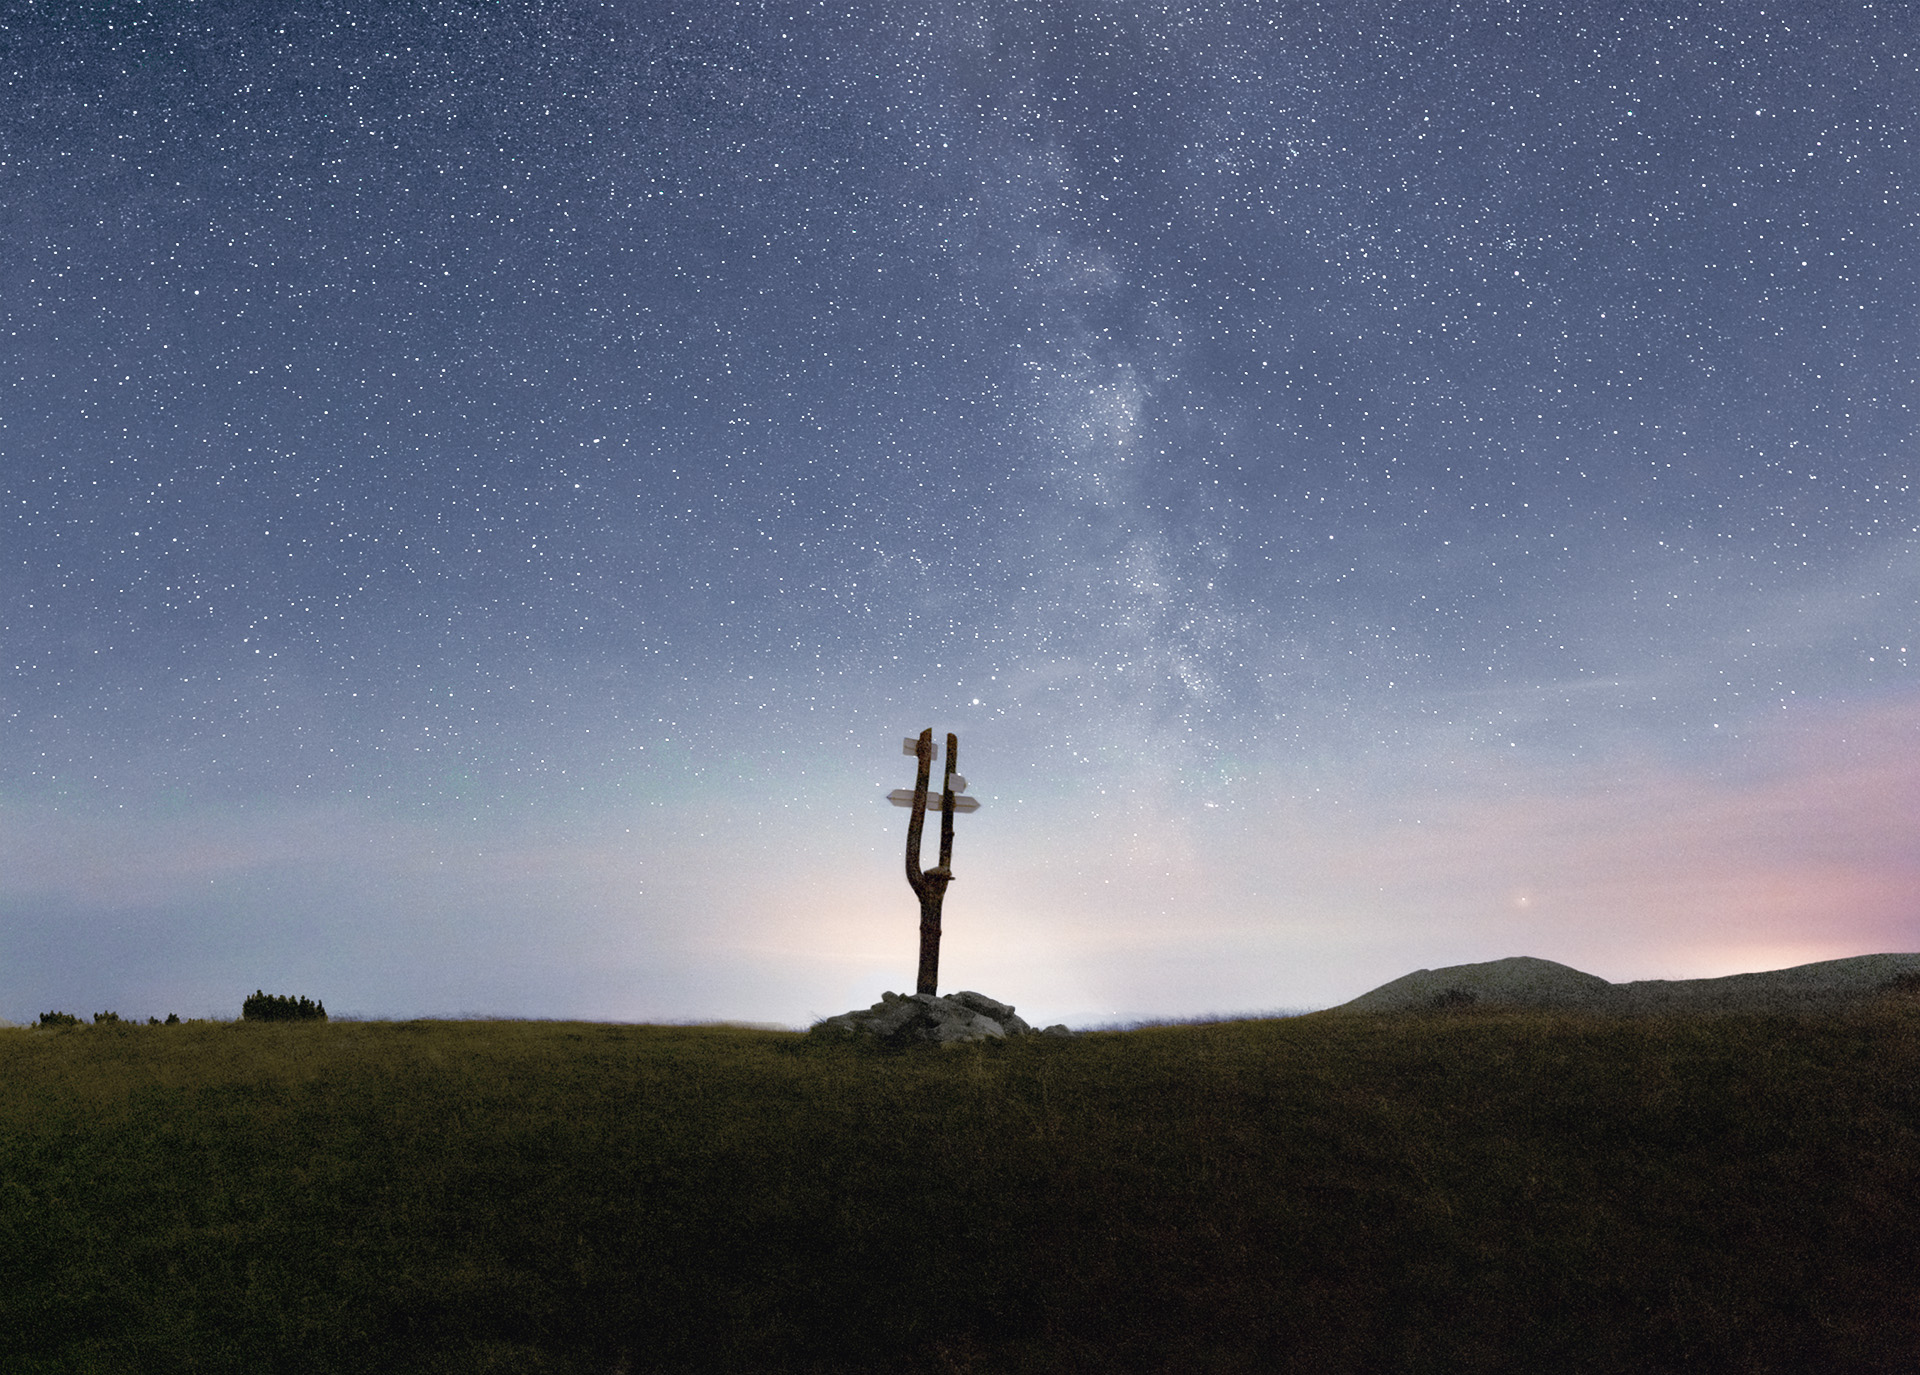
x: 930, y: 885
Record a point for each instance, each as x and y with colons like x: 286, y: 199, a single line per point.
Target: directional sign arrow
x: 903, y: 797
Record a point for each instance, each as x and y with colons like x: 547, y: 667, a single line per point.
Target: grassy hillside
x: 1451, y: 1191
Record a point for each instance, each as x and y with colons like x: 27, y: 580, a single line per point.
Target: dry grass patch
x: 1461, y: 1189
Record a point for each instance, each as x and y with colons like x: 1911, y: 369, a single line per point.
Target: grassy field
x: 1454, y: 1191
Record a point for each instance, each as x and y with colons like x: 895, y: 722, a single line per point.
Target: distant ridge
x: 1524, y: 981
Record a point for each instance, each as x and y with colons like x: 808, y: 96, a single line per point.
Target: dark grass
x: 1467, y: 1190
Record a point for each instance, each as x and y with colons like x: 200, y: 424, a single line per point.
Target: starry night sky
x: 487, y: 487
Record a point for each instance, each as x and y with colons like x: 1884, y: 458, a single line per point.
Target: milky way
x: 488, y: 486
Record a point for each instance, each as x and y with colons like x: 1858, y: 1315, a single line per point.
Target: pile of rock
x: 904, y: 1019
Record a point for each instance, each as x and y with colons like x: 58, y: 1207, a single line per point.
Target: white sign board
x: 903, y: 797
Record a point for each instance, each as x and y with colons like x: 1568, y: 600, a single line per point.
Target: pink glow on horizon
x: 1799, y: 847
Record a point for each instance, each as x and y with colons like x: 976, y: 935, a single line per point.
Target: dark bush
x: 273, y: 1007
x: 1453, y: 997
x: 58, y: 1019
x: 102, y: 1018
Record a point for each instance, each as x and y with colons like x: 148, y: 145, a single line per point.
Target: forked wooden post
x: 930, y: 885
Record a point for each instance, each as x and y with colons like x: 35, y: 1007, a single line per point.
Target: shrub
x: 58, y: 1019
x: 273, y: 1007
x: 102, y: 1018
